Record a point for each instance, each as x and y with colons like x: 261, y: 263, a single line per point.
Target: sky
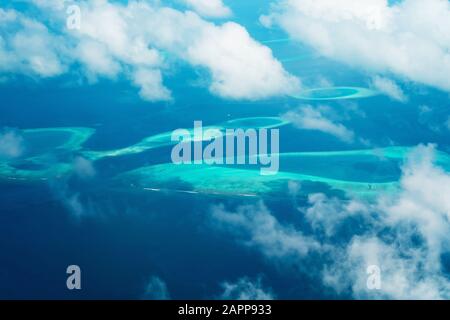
x: 342, y: 76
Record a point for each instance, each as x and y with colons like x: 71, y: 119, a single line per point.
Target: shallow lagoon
x: 335, y: 93
x: 365, y: 173
x: 48, y: 153
x: 135, y: 233
x: 309, y: 171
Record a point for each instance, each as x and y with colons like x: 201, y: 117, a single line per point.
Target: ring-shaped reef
x: 48, y: 152
x: 362, y: 173
x: 335, y: 93
x: 164, y: 139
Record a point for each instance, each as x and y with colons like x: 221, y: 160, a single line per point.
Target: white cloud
x: 11, y: 144
x: 294, y: 188
x: 409, y: 256
x: 241, y: 68
x: 27, y: 46
x: 260, y: 229
x: 406, y: 273
x: 141, y: 40
x: 404, y: 233
x: 77, y: 204
x: 410, y: 38
x: 73, y: 203
x: 156, y: 289
x: 245, y: 289
x: 83, y: 168
x: 326, y: 215
x: 97, y: 60
x: 309, y: 118
x: 423, y: 199
x: 150, y: 82
x: 210, y: 8
x: 112, y: 42
x: 71, y: 200
x: 389, y: 88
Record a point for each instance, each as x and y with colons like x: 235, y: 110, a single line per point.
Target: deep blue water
x: 127, y: 236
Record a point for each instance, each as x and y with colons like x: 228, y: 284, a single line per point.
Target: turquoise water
x: 338, y: 93
x: 365, y: 173
x: 131, y: 213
